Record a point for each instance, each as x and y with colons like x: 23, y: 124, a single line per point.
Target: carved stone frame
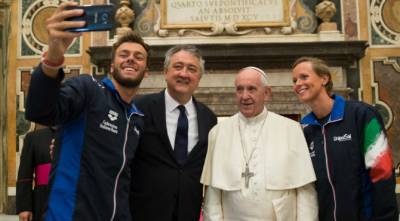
x: 283, y: 23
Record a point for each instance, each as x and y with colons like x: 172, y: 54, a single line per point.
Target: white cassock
x: 282, y: 188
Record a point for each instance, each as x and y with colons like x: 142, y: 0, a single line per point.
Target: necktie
x: 181, y: 138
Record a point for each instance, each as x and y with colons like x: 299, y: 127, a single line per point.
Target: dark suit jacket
x: 160, y: 187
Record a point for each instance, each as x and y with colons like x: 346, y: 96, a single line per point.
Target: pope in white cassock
x: 258, y: 166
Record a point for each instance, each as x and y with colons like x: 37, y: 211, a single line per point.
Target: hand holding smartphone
x: 97, y: 18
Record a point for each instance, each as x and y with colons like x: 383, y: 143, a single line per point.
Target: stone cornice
x: 4, y: 3
x: 264, y: 55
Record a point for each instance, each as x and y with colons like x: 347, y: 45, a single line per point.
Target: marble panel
x: 350, y: 20
x: 32, y: 28
x: 384, y: 22
x: 387, y: 76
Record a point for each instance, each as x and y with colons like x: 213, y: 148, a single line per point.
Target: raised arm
x: 59, y: 39
x: 47, y: 103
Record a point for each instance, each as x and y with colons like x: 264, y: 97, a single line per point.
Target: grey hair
x: 193, y: 50
x: 263, y: 75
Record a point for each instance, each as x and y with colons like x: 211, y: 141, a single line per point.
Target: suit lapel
x: 158, y: 114
x: 202, y: 129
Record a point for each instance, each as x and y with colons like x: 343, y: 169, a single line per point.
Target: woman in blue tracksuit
x: 348, y: 147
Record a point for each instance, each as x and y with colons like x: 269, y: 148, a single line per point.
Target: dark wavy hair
x: 131, y: 37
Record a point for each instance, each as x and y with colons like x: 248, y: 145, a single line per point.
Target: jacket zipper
x: 328, y: 171
x: 122, y: 168
x: 329, y: 174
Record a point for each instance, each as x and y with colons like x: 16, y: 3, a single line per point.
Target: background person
x: 34, y: 167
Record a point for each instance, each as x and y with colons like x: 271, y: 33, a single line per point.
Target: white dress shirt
x: 172, y: 115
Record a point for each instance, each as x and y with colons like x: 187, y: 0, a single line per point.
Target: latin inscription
x: 186, y: 12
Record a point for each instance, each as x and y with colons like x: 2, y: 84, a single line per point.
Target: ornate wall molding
x: 299, y: 18
x: 383, y: 107
x: 384, y: 81
x: 385, y: 22
x: 394, y: 61
x: 265, y: 55
x: 34, y: 35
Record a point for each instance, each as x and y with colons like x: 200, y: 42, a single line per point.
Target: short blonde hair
x: 320, y: 67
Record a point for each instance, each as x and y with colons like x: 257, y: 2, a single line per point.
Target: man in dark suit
x: 169, y: 160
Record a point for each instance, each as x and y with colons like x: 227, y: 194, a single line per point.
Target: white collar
x: 254, y: 120
x: 171, y: 104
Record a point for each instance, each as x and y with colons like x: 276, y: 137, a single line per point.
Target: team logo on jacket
x: 108, y: 125
x: 343, y: 138
x: 112, y: 115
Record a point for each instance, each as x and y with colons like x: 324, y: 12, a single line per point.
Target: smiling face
x: 250, y: 92
x: 307, y: 84
x: 182, y: 75
x: 129, y: 65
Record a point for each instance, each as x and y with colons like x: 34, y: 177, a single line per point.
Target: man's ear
x: 268, y: 93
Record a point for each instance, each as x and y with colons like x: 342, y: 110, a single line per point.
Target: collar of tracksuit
x: 132, y: 109
x: 335, y: 115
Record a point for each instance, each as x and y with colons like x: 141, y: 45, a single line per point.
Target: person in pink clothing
x: 34, y: 169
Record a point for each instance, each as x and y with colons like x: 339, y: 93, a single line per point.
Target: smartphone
x: 97, y: 17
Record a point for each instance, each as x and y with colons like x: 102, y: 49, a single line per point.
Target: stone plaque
x: 205, y: 13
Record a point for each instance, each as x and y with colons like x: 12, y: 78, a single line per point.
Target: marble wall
x: 387, y: 78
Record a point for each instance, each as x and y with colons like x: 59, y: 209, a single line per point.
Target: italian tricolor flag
x: 377, y: 151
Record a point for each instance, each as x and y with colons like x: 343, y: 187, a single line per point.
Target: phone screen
x: 97, y: 18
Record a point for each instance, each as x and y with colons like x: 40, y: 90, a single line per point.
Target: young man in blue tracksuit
x: 100, y: 125
x: 349, y: 150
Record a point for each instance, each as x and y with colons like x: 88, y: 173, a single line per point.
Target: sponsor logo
x: 136, y: 130
x: 343, y: 138
x: 109, y: 127
x: 311, y: 148
x: 112, y: 115
x: 106, y: 125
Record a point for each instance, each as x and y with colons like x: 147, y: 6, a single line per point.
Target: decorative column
x: 124, y: 16
x: 4, y: 32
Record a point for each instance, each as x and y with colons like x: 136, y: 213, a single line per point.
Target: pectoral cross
x: 247, y: 175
